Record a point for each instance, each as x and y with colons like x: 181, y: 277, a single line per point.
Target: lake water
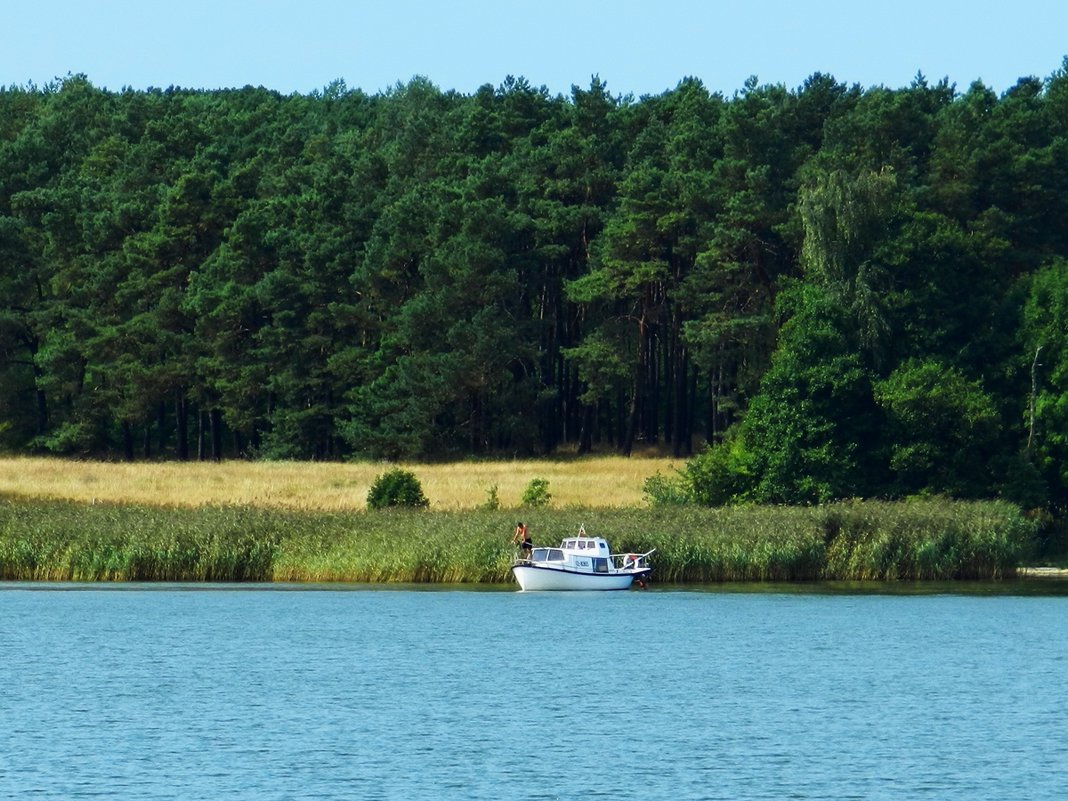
x: 279, y: 693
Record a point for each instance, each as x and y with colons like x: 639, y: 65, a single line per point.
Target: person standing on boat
x: 522, y: 539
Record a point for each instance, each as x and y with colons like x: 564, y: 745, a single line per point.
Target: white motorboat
x: 581, y: 563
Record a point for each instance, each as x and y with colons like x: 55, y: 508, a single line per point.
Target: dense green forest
x: 849, y: 291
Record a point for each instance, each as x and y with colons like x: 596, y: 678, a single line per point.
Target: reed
x: 69, y: 541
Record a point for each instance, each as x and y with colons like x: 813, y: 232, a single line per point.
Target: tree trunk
x: 215, y: 427
x: 181, y: 427
x: 641, y: 366
x: 161, y: 433
x: 679, y: 428
x: 650, y: 399
x: 669, y: 359
x: 586, y: 435
x: 627, y: 445
x: 42, y: 399
x: 127, y: 441
x: 38, y: 376
x: 1034, y: 395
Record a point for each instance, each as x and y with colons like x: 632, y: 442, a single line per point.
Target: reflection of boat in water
x: 581, y: 563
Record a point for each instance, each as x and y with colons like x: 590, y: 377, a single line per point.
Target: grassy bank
x: 70, y: 541
x: 597, y: 481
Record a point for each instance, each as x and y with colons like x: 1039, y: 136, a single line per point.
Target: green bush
x: 721, y: 475
x: 396, y: 488
x: 537, y: 494
x: 662, y: 490
x: 493, y: 501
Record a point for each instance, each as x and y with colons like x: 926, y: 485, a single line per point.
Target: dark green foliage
x: 396, y: 487
x: 1045, y: 336
x: 855, y: 283
x: 942, y: 428
x: 812, y: 432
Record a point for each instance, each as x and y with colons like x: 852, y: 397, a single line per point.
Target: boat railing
x: 622, y: 561
x: 619, y: 561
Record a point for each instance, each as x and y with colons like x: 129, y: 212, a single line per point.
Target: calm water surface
x: 151, y: 693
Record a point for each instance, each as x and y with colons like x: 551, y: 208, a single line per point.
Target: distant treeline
x: 858, y: 291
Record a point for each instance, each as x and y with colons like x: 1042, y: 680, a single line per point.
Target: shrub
x: 662, y: 490
x: 396, y: 488
x: 492, y: 502
x: 721, y: 475
x: 537, y: 493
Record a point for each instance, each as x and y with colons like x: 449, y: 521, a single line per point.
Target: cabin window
x: 604, y: 546
x: 600, y: 565
x: 539, y: 554
x: 555, y: 555
x: 582, y: 545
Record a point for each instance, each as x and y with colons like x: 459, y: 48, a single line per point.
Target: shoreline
x: 1029, y: 581
x: 1046, y: 573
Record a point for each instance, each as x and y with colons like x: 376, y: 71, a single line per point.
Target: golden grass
x: 594, y: 482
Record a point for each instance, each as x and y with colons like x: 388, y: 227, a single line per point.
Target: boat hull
x: 536, y: 578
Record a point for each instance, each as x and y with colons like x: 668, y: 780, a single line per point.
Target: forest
x: 818, y: 293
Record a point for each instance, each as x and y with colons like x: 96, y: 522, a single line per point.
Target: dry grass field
x: 594, y: 482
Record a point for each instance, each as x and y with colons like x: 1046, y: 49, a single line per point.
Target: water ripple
x: 468, y: 695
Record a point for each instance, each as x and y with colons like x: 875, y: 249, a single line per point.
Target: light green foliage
x: 660, y: 490
x: 493, y: 501
x: 721, y: 475
x: 537, y: 495
x: 844, y: 219
x: 932, y: 539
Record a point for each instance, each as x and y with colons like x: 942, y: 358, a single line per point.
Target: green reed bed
x: 933, y: 539
x: 936, y: 539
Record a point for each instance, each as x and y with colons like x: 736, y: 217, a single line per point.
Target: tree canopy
x: 856, y: 291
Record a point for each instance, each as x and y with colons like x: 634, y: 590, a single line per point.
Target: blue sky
x: 635, y: 47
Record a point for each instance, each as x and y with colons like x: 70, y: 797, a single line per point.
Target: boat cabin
x: 581, y: 553
x: 587, y: 545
